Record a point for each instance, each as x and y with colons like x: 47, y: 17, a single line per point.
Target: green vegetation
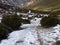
x: 13, y: 21
x: 46, y: 5
x: 58, y: 43
x: 26, y: 21
x: 49, y: 22
x: 22, y: 10
x: 10, y: 23
x: 4, y: 31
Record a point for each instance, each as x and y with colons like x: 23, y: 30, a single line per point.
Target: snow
x: 24, y: 18
x: 34, y: 22
x: 30, y: 15
x: 28, y: 36
x: 29, y: 11
x: 49, y: 37
x: 23, y: 37
x: 0, y: 19
x: 18, y: 13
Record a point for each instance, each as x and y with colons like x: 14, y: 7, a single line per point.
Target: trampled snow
x: 28, y: 36
x: 51, y: 35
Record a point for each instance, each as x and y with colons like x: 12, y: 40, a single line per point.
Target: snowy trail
x: 31, y: 34
x: 50, y: 36
x: 26, y: 36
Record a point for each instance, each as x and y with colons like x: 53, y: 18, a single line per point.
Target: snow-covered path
x: 29, y: 35
x: 26, y: 36
x: 49, y: 36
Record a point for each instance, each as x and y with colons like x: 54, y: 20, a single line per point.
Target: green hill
x: 46, y: 5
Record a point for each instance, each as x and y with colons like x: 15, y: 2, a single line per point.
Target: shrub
x: 3, y: 32
x: 49, y: 22
x: 29, y: 18
x: 58, y: 43
x: 53, y: 15
x: 13, y: 21
x: 59, y: 22
x: 26, y: 21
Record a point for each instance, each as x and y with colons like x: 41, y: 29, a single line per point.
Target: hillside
x: 46, y: 5
x: 34, y: 4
